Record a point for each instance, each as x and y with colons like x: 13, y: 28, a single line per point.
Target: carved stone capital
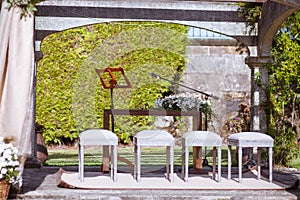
x: 259, y: 62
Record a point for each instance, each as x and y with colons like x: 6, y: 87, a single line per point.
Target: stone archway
x: 202, y: 12
x: 273, y: 15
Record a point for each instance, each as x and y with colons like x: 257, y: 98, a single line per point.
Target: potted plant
x: 9, y: 166
x: 41, y: 148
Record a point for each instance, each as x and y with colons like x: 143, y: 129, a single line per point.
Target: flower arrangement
x: 183, y: 102
x: 241, y: 122
x: 9, y: 164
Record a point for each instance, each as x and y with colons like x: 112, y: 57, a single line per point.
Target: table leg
x: 197, y: 157
x: 105, y: 159
x: 258, y: 162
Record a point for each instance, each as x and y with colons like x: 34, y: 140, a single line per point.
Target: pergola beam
x: 291, y: 3
x: 243, y: 1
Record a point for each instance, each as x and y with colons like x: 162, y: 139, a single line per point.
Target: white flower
x: 8, y: 163
x: 183, y: 101
x: 3, y: 171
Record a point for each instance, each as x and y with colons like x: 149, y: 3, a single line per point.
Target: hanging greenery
x: 28, y: 7
x: 251, y: 12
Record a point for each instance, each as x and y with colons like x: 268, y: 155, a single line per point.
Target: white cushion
x: 154, y: 138
x: 202, y: 138
x: 98, y: 137
x: 250, y: 139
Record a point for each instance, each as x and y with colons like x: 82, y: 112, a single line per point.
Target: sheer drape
x: 16, y: 77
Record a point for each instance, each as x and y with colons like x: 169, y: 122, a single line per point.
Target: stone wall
x: 221, y: 71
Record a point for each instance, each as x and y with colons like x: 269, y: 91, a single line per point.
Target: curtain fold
x: 16, y: 77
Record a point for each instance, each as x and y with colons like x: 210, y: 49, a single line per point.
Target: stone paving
x: 40, y: 183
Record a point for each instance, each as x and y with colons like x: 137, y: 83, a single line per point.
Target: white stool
x: 201, y: 138
x: 250, y: 139
x: 153, y: 138
x: 100, y: 137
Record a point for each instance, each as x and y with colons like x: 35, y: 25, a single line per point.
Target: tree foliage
x: 284, y: 88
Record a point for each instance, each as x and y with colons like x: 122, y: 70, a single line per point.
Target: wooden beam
x: 237, y: 1
x: 138, y: 13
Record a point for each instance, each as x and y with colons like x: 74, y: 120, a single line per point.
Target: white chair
x: 153, y: 138
x: 249, y: 139
x: 99, y: 137
x: 201, y: 138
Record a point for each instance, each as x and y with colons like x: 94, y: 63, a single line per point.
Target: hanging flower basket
x: 4, y: 189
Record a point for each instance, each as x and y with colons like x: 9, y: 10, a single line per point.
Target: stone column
x: 32, y: 160
x: 259, y: 96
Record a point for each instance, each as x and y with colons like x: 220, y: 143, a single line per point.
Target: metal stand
x: 112, y: 107
x: 111, y: 84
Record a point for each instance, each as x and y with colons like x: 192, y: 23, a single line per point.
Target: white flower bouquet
x: 182, y: 102
x: 9, y: 164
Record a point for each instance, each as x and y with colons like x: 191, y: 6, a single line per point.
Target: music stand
x: 111, y: 84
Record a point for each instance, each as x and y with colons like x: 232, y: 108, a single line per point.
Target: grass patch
x: 150, y: 156
x: 295, y: 163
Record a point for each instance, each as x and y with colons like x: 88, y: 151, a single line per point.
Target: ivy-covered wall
x: 70, y: 97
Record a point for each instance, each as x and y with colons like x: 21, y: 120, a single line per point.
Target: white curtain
x: 16, y: 77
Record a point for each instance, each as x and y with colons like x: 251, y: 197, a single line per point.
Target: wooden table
x: 197, y: 125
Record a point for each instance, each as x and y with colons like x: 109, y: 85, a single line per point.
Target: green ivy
x: 68, y: 53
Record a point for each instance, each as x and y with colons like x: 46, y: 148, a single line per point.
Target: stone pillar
x: 32, y: 160
x: 259, y: 96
